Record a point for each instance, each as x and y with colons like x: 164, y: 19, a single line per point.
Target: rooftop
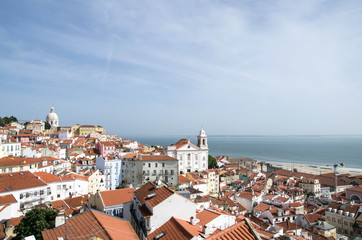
x: 92, y: 224
x: 117, y: 197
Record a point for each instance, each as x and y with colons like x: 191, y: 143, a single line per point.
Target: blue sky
x: 172, y: 67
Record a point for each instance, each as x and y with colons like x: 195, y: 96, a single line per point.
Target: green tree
x: 13, y: 119
x: 47, y: 125
x: 7, y: 120
x: 212, y: 162
x: 35, y: 221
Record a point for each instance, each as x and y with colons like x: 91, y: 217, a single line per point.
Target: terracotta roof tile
x: 7, y: 199
x: 156, y: 158
x: 17, y: 161
x: 92, y: 224
x: 176, y: 229
x: 117, y: 197
x: 206, y: 216
x: 49, y: 178
x: 19, y: 180
x: 238, y: 231
x: 150, y: 188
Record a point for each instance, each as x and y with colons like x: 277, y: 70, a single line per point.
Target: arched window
x: 203, y: 141
x: 356, y: 199
x: 189, y: 156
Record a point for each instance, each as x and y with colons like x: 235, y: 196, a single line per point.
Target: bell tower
x: 202, y: 139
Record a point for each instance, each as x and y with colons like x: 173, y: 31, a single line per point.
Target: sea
x: 318, y: 150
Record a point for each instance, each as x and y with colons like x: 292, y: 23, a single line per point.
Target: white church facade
x: 190, y: 157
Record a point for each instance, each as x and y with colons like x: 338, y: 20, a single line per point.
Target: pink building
x: 24, y: 138
x: 105, y: 148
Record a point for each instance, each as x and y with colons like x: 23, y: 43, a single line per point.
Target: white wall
x: 221, y: 222
x: 11, y: 211
x: 176, y: 206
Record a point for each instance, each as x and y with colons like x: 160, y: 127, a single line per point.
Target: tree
x: 7, y: 120
x: 212, y: 162
x: 47, y: 125
x: 35, y: 221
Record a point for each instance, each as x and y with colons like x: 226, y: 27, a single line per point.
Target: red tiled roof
x: 206, y: 216
x: 117, y: 197
x: 108, y: 144
x: 75, y: 202
x: 237, y: 231
x: 15, y: 221
x: 150, y: 188
x: 177, y: 229
x: 49, y: 178
x: 19, y: 180
x: 7, y: 199
x: 183, y: 142
x: 92, y: 224
x: 156, y: 158
x: 182, y: 179
x: 17, y: 161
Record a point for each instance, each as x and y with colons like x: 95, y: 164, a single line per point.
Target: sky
x: 148, y: 68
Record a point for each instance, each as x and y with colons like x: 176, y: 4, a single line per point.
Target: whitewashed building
x: 11, y: 148
x: 153, y: 206
x: 191, y: 157
x: 112, y: 168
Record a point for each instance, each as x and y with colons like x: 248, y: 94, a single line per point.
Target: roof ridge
x: 180, y: 225
x: 105, y: 230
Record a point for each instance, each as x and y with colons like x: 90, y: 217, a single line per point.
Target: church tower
x: 202, y: 140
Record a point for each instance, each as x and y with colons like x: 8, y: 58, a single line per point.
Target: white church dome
x: 52, y: 118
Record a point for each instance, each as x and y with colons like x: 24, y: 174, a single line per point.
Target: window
x: 58, y: 188
x: 58, y: 195
x: 189, y: 156
x: 156, y: 164
x: 21, y: 196
x: 345, y: 223
x: 149, y: 165
x: 333, y: 219
x: 172, y: 172
x: 21, y: 168
x: 154, y: 171
x: 10, y: 169
x: 163, y: 164
x: 41, y: 192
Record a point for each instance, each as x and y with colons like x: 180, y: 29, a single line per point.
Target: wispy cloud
x: 202, y: 62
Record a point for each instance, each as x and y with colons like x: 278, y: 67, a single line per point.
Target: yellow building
x: 343, y: 217
x: 85, y: 130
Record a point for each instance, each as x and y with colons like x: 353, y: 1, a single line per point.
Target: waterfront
x: 318, y: 150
